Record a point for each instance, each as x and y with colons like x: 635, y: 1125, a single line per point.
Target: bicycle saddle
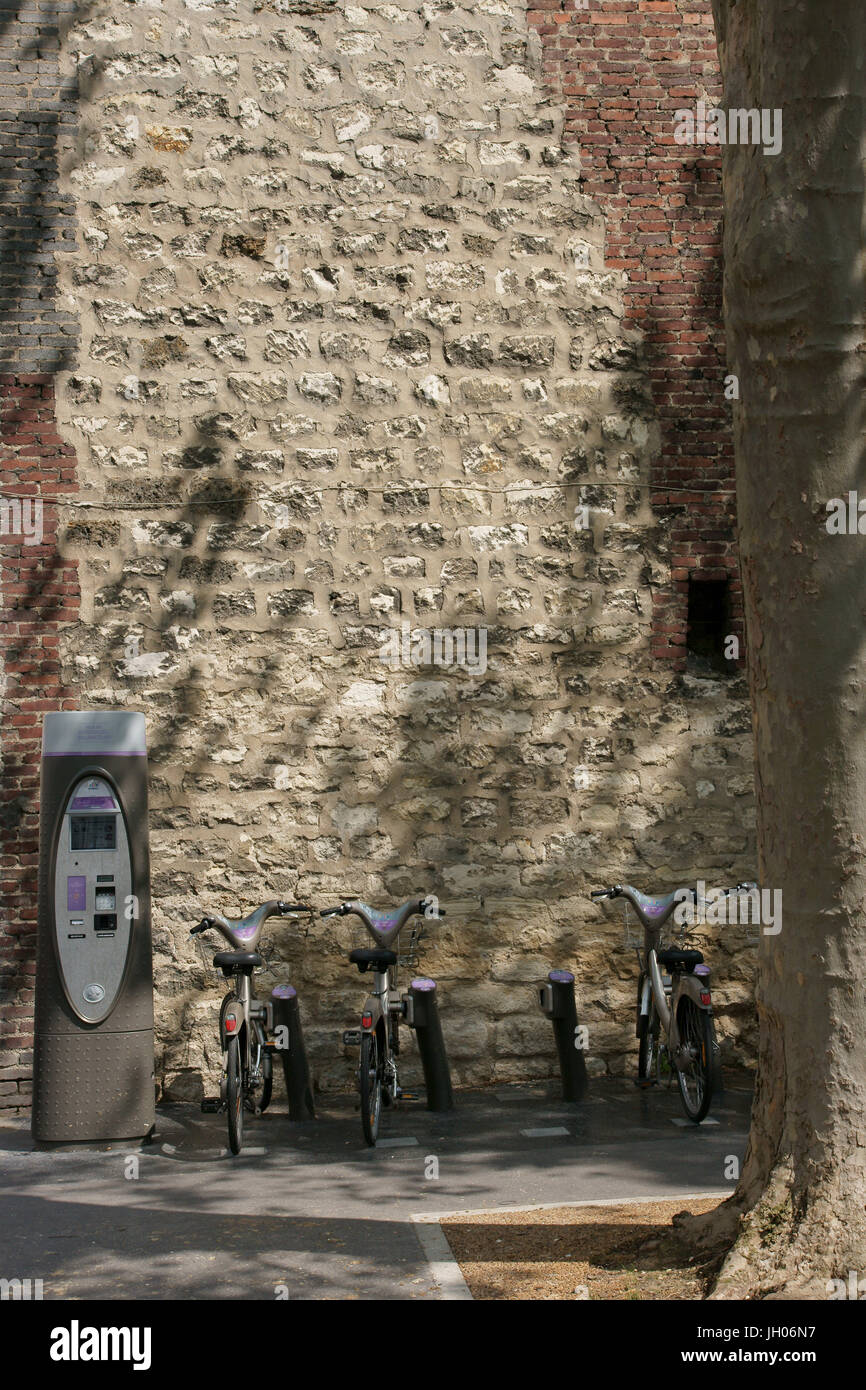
x: 680, y: 959
x: 229, y: 961
x: 652, y: 911
x: 372, y: 958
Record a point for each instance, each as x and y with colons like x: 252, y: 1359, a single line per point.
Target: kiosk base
x: 75, y: 1068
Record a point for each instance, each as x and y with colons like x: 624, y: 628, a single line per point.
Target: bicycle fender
x: 644, y: 999
x: 693, y: 987
x: 231, y: 1004
x: 373, y: 1008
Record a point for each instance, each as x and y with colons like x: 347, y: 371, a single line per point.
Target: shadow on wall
x: 660, y: 777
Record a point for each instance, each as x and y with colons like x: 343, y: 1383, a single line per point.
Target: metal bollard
x: 296, y: 1068
x: 557, y: 1001
x: 422, y: 1014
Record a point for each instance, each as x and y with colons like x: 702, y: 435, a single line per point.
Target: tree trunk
x: 794, y: 310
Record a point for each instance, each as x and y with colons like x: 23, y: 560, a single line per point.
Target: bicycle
x: 677, y: 1005
x: 246, y: 1023
x: 379, y: 1034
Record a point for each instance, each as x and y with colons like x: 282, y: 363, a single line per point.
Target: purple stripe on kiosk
x: 283, y: 992
x: 76, y: 893
x: 93, y: 803
x: 561, y: 977
x: 424, y: 984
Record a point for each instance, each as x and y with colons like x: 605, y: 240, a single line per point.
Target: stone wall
x: 351, y: 359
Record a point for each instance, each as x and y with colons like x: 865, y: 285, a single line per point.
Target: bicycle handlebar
x: 278, y: 909
x: 344, y: 908
x: 616, y: 890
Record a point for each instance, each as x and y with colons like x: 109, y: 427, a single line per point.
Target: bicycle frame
x: 693, y: 1052
x: 244, y: 1022
x: 251, y: 1023
x: 377, y: 1008
x: 377, y: 1003
x: 683, y: 984
x: 379, y: 1034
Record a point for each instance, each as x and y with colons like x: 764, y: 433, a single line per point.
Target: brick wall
x: 623, y: 68
x: 38, y: 585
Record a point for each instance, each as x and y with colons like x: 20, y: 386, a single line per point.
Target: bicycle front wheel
x: 696, y: 1076
x: 648, y: 1048
x: 370, y: 1079
x: 235, y: 1095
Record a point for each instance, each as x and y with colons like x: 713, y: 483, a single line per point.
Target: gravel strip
x: 601, y: 1252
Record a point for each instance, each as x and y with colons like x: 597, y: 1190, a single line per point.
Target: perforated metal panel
x: 96, y: 1085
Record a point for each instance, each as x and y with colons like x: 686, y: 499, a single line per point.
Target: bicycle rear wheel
x: 267, y: 1079
x: 696, y: 1078
x: 370, y: 1080
x: 235, y: 1095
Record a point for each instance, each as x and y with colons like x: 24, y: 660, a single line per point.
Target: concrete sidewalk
x: 309, y: 1212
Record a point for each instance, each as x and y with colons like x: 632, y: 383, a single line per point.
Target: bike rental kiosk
x: 93, y: 1058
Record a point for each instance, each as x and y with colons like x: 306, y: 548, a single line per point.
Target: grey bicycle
x: 674, y: 1009
x: 246, y: 1023
x: 379, y: 1034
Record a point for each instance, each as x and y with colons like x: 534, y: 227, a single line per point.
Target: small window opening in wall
x: 708, y: 624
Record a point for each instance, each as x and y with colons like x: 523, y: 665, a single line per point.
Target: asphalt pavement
x: 308, y: 1211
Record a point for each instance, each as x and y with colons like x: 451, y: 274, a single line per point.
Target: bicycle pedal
x: 645, y: 1085
x: 212, y: 1106
x: 352, y: 1037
